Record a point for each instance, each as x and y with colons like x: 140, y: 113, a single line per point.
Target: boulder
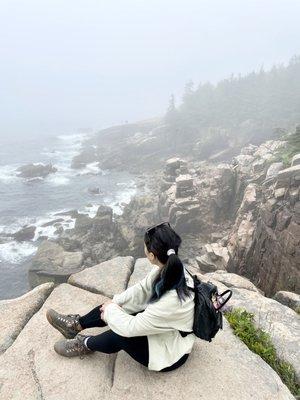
x: 37, y: 372
x: 141, y: 268
x: 105, y: 215
x: 53, y: 222
x: 94, y: 190
x: 172, y: 164
x: 258, y: 165
x: 26, y: 233
x: 52, y: 264
x: 215, y: 258
x: 233, y: 379
x: 15, y: 313
x: 184, y: 185
x: 72, y: 260
x: 35, y: 170
x: 279, y: 193
x: 273, y: 170
x: 289, y: 299
x: 233, y: 280
x: 107, y: 278
x: 288, y: 177
x: 83, y: 224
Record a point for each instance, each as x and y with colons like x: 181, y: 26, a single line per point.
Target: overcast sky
x: 67, y: 65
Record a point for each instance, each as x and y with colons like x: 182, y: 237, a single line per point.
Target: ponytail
x: 171, y: 277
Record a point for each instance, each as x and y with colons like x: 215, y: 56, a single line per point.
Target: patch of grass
x: 292, y: 147
x: 260, y: 343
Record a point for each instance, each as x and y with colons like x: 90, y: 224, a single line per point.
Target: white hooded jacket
x: 160, y: 321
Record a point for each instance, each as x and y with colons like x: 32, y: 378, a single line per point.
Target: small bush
x: 260, y: 343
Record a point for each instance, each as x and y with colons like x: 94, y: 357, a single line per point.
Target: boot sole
x: 60, y: 329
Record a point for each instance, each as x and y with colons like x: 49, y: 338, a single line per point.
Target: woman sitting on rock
x: 147, y: 319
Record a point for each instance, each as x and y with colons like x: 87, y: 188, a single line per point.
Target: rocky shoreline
x: 241, y: 216
x: 240, y: 229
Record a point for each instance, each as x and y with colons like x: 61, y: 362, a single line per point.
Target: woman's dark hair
x: 159, y: 240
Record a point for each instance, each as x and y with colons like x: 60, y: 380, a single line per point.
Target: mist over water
x: 36, y: 201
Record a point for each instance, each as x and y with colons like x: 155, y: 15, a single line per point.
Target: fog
x: 70, y: 65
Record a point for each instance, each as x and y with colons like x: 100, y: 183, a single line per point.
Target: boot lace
x: 78, y: 346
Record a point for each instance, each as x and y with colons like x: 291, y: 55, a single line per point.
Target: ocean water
x: 36, y: 201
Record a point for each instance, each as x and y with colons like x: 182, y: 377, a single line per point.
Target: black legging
x: 110, y: 342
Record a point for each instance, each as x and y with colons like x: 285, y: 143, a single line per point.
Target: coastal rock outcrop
x: 52, y: 263
x: 26, y: 233
x: 196, y: 197
x: 31, y: 369
x: 35, y: 170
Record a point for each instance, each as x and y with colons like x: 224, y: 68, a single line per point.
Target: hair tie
x: 171, y: 251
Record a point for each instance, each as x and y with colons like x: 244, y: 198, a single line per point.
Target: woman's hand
x: 102, y: 308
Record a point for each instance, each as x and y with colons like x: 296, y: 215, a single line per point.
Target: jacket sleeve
x: 158, y: 317
x: 135, y: 298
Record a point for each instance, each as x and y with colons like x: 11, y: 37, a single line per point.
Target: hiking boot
x: 68, y: 324
x: 72, y: 347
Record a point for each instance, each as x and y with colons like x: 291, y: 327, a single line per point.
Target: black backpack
x: 207, y: 319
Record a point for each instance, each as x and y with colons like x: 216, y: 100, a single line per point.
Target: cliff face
x: 245, y: 214
x: 264, y: 242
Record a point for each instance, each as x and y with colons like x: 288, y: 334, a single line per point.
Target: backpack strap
x: 184, y: 333
x: 192, y: 288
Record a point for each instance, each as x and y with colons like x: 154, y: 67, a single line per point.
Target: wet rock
x: 53, y: 222
x: 94, y: 190
x: 35, y: 170
x: 26, y: 233
x: 72, y: 213
x: 86, y: 156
